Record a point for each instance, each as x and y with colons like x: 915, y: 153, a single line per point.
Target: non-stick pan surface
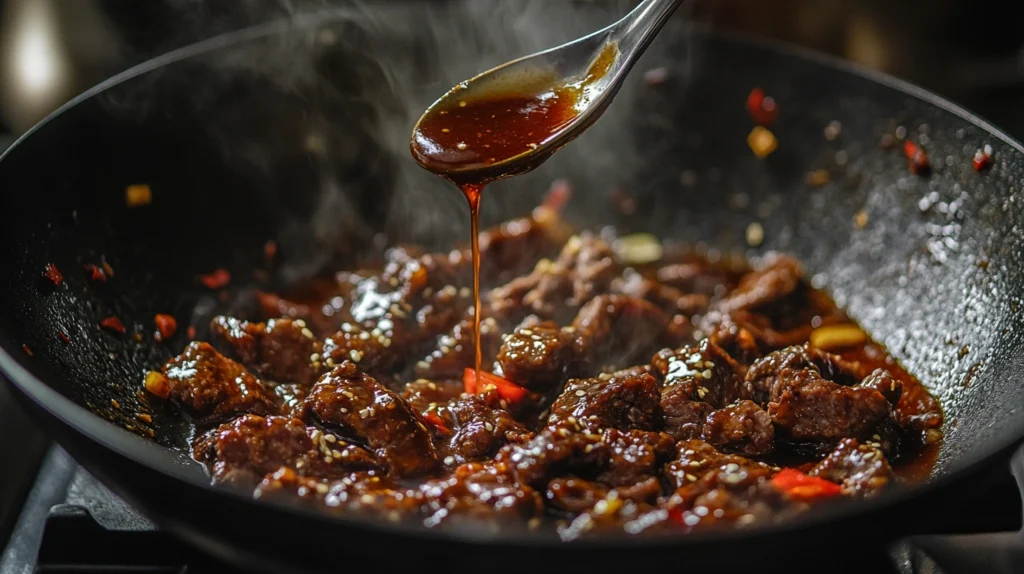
x: 296, y: 132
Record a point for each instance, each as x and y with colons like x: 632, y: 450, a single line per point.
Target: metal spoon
x: 595, y: 65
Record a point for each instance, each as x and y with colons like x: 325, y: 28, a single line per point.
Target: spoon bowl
x: 578, y: 80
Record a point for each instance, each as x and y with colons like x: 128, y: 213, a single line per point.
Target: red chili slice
x: 437, y: 422
x: 507, y: 390
x: 800, y: 486
x: 63, y: 337
x: 917, y: 159
x: 191, y: 332
x: 113, y: 324
x: 95, y: 273
x: 217, y: 279
x: 166, y: 325
x: 53, y: 274
x: 762, y: 108
x: 982, y: 158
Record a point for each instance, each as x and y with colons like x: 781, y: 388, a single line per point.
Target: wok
x: 296, y: 132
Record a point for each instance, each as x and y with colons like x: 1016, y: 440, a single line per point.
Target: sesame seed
x: 314, y: 357
x: 329, y: 362
x: 564, y: 433
x: 328, y: 459
x: 364, y: 336
x: 581, y: 393
x: 330, y: 438
x: 449, y: 460
x: 690, y: 477
x: 706, y: 374
x: 355, y: 355
x: 694, y: 464
x: 489, y: 427
x: 322, y: 488
x: 732, y: 467
x: 366, y: 499
x: 422, y: 365
x: 689, y: 451
x: 363, y: 413
x: 336, y: 453
x: 386, y: 343
x: 346, y: 327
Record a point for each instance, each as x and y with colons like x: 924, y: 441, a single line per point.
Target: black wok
x: 296, y: 132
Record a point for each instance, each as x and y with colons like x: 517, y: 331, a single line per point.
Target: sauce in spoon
x: 473, y: 141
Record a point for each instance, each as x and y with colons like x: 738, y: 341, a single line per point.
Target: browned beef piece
x: 479, y: 429
x: 245, y: 449
x: 513, y: 248
x: 212, y: 387
x: 811, y: 409
x: 624, y: 402
x: 291, y: 396
x: 555, y: 289
x: 742, y: 427
x: 917, y: 409
x: 738, y: 343
x: 540, y: 357
x: 362, y: 408
x: 778, y: 276
x: 713, y: 488
x: 422, y: 394
x: 616, y: 330
x: 365, y: 493
x: 697, y: 277
x: 484, y: 494
x: 274, y: 306
x: 861, y: 469
x: 571, y: 494
x: 281, y: 350
x: 614, y: 514
x: 665, y: 297
x: 456, y: 349
x: 764, y: 375
x: 695, y: 458
x: 555, y: 451
x: 684, y: 417
x: 705, y: 372
x: 634, y: 456
x: 883, y: 382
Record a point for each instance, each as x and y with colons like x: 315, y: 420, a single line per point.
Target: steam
x: 351, y: 79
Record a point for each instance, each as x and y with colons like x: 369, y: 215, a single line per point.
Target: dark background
x: 961, y: 49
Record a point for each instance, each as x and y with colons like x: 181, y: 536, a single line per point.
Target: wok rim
x: 153, y: 457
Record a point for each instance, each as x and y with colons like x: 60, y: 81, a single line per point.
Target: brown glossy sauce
x: 462, y: 137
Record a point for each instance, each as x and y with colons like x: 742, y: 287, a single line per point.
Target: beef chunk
x: 634, y: 456
x: 614, y: 514
x: 281, y: 350
x: 554, y: 290
x: 571, y: 494
x: 618, y: 330
x: 918, y: 410
x: 478, y: 428
x: 764, y: 375
x: 555, y: 451
x: 540, y: 357
x: 364, y: 493
x: 361, y: 407
x: 813, y: 409
x: 883, y: 382
x: 211, y: 387
x: 713, y: 488
x: 778, y: 277
x: 456, y: 349
x: 741, y: 427
x: 704, y: 372
x: 422, y: 394
x: 624, y: 402
x: 251, y: 446
x: 738, y: 343
x: 665, y: 297
x: 483, y: 494
x: 291, y: 396
x: 861, y: 469
x: 684, y: 418
x: 697, y: 276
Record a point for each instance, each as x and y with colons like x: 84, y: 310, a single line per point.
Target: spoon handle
x: 635, y: 32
